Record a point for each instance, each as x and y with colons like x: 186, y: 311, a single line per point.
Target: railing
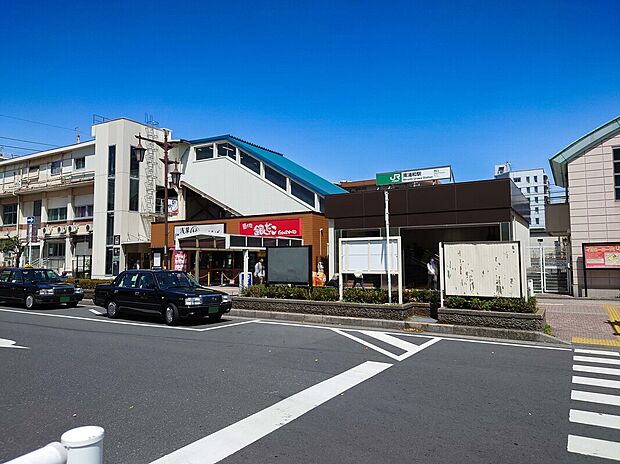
x: 83, y: 445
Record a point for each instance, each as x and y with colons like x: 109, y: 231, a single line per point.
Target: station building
x: 92, y: 204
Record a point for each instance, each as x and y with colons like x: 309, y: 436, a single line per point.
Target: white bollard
x: 84, y: 445
x: 54, y: 453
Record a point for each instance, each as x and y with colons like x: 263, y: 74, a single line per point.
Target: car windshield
x: 40, y: 275
x: 174, y: 280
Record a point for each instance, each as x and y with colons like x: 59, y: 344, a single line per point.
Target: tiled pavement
x: 583, y: 321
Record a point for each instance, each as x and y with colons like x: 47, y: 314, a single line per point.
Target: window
x: 111, y: 186
x: 536, y: 210
x: 527, y: 189
x: 274, y: 176
x: 535, y: 199
x: 36, y: 208
x: 57, y: 214
x: 537, y: 221
x: 517, y: 179
x: 56, y: 250
x: 109, y: 231
x: 616, y: 152
x: 147, y: 280
x: 80, y: 163
x: 527, y: 179
x: 536, y: 189
x: 305, y: 195
x: 535, y: 178
x: 33, y: 170
x: 250, y: 162
x: 128, y: 280
x: 109, y: 258
x: 4, y: 275
x: 134, y: 181
x: 84, y: 211
x: 9, y: 214
x: 111, y: 160
x: 204, y: 152
x: 226, y: 149
x: 56, y: 167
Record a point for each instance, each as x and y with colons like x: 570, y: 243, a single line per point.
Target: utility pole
x: 386, y: 194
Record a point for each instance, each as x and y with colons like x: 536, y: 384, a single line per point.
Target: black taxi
x: 33, y: 287
x: 173, y: 294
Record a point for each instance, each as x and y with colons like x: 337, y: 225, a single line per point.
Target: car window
x: 4, y: 275
x: 146, y: 280
x: 173, y: 280
x: 16, y: 276
x: 40, y: 275
x: 129, y: 280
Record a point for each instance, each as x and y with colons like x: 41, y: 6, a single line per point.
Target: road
x: 247, y: 391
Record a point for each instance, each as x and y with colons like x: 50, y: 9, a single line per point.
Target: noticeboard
x: 601, y: 255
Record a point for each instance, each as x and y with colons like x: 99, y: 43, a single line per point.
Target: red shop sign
x: 274, y: 228
x: 602, y: 256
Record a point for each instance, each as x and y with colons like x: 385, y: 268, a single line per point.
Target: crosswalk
x: 596, y: 401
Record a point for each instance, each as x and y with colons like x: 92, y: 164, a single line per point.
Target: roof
x: 42, y: 154
x: 560, y: 160
x: 282, y: 164
x: 357, y: 183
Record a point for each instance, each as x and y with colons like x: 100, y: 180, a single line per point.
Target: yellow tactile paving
x: 595, y: 341
x: 614, y: 318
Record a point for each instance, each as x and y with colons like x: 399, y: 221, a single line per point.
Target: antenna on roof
x: 77, y: 134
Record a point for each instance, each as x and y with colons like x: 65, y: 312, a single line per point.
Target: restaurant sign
x: 603, y: 256
x: 273, y: 228
x: 198, y: 229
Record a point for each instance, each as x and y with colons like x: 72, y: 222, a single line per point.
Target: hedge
x: 503, y: 304
x: 86, y: 283
x: 352, y: 295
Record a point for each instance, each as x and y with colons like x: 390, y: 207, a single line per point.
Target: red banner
x: 274, y: 228
x: 602, y: 256
x: 180, y: 260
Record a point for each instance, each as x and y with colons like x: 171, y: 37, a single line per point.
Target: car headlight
x: 79, y: 290
x: 226, y: 298
x: 46, y: 291
x: 193, y: 301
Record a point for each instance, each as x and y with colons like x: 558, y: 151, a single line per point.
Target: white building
x: 534, y: 184
x: 93, y: 203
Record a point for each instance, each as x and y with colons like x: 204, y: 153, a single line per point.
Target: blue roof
x: 282, y: 164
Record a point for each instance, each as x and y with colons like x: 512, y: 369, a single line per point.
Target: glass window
x: 535, y: 178
x: 84, y: 211
x: 80, y: 163
x: 527, y: 189
x: 146, y: 280
x: 111, y: 160
x: 56, y: 167
x: 536, y: 210
x: 321, y: 204
x: 9, y: 214
x: 109, y: 257
x: 537, y: 221
x: 57, y: 214
x: 109, y: 231
x: 536, y: 189
x: 535, y: 199
x: 173, y: 280
x: 226, y: 149
x: 134, y: 164
x: 40, y: 275
x: 16, y: 276
x: 111, y: 187
x: 305, y: 195
x: 250, y: 162
x: 616, y: 154
x: 617, y: 181
x: 36, y: 208
x: 33, y: 170
x: 56, y: 250
x: 274, y: 176
x: 134, y: 188
x: 128, y: 280
x: 4, y: 275
x: 204, y: 152
x: 527, y: 179
x: 517, y: 179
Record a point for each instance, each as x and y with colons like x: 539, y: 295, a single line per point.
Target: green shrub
x: 324, y: 294
x: 370, y: 296
x: 516, y: 305
x: 86, y: 283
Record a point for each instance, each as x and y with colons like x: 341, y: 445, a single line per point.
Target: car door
x: 147, y: 293
x: 125, y: 291
x: 5, y: 284
x: 16, y: 287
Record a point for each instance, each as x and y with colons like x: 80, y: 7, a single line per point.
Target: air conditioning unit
x: 47, y: 230
x: 88, y: 227
x: 61, y: 230
x: 73, y: 229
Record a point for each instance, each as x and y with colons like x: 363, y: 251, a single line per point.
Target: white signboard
x: 427, y: 174
x: 198, y: 228
x: 368, y: 255
x: 482, y: 269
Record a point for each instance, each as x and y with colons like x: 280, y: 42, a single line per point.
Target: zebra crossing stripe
x: 596, y: 382
x: 590, y: 359
x: 598, y: 352
x: 600, y: 398
x: 594, y: 418
x: 594, y: 447
x: 596, y: 369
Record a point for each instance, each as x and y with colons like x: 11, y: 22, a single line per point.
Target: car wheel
x: 215, y: 317
x: 29, y: 302
x: 112, y: 309
x: 171, y: 314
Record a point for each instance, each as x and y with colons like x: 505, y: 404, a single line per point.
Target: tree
x: 13, y: 246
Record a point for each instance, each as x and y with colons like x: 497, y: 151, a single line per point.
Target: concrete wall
x: 594, y: 215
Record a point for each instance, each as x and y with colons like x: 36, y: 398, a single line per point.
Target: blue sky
x: 345, y: 88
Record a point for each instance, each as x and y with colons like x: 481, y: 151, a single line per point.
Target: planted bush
x: 515, y: 305
x: 86, y: 283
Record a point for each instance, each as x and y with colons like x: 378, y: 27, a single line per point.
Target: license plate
x: 214, y: 309
x: 65, y: 299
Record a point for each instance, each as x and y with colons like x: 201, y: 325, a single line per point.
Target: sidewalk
x: 582, y: 321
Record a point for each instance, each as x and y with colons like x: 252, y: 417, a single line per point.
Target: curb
x: 410, y: 326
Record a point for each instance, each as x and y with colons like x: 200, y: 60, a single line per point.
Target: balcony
x: 29, y: 183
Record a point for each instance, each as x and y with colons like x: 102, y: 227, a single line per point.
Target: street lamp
x: 175, y: 177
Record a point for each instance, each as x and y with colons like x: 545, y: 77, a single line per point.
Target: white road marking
x: 590, y: 359
x: 599, y: 352
x: 410, y: 348
x: 391, y: 340
x: 594, y: 418
x: 6, y: 343
x: 596, y: 369
x: 138, y: 324
x: 223, y: 443
x: 599, y: 398
x: 486, y: 342
x: 596, y: 382
x: 594, y: 447
x: 95, y: 312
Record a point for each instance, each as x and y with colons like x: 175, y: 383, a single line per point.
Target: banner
x: 602, y: 256
x: 180, y: 260
x: 274, y: 228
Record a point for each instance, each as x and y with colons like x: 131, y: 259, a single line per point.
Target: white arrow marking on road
x: 95, y: 312
x: 221, y: 444
x: 5, y: 343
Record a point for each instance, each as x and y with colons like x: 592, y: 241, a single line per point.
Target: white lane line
x: 596, y: 369
x: 598, y: 352
x: 594, y: 447
x: 486, y: 342
x: 138, y: 324
x: 389, y: 339
x: 590, y: 359
x: 6, y: 343
x: 596, y: 382
x: 223, y: 443
x: 594, y: 418
x: 599, y: 398
x: 95, y: 312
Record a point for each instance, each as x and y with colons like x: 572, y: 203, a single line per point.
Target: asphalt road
x: 243, y: 391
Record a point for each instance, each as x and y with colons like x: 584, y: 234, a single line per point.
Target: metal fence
x: 549, y: 270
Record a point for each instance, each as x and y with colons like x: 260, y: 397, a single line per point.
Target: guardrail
x: 83, y: 445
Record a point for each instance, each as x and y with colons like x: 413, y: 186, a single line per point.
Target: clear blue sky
x: 347, y: 89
